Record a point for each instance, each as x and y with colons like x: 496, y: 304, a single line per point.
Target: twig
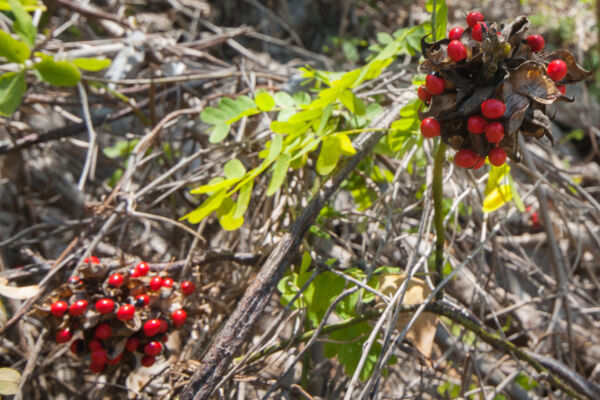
x: 92, y: 147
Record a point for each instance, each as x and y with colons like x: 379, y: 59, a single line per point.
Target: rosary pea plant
x: 47, y: 68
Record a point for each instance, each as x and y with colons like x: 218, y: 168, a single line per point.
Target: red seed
x: 152, y: 327
x: 167, y: 282
x: 179, y: 317
x: 142, y: 300
x: 64, y: 335
x: 148, y: 360
x: 562, y: 89
x: 187, y: 287
x: 164, y: 338
x: 78, y: 308
x: 115, y: 360
x: 494, y: 132
x: 474, y: 17
x: 479, y: 163
x: 91, y: 259
x: 493, y: 108
x: 132, y: 343
x: 95, y: 344
x: 497, y: 156
x: 143, y: 268
x: 116, y: 280
x: 557, y: 70
x: 153, y: 348
x: 134, y: 273
x: 156, y: 283
x: 77, y: 346
x: 455, y: 33
x: 430, y: 127
x: 466, y: 158
x: 74, y: 280
x: 476, y: 124
x: 164, y: 326
x: 103, y: 330
x: 97, y: 368
x: 58, y: 308
x: 434, y: 84
x: 125, y: 312
x: 457, y: 51
x: 423, y: 94
x: 99, y: 357
x: 477, y: 32
x: 536, y: 42
x: 105, y: 306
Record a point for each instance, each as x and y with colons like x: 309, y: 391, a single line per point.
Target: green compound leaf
x: 57, y: 73
x: 12, y: 49
x: 234, y: 169
x: 279, y: 173
x: 91, y: 64
x: 264, y: 101
x: 12, y: 88
x: 23, y: 25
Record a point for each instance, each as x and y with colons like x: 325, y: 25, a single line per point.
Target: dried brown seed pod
x: 502, y: 66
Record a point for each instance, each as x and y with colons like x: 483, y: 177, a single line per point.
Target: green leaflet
x: 91, y: 64
x: 234, y: 169
x: 12, y: 88
x: 23, y: 25
x: 243, y: 199
x: 279, y: 173
x: 264, y: 101
x: 12, y: 49
x: 57, y: 73
x: 211, y: 204
x: 226, y: 215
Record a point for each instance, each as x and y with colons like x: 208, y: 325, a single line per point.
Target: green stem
x: 438, y: 208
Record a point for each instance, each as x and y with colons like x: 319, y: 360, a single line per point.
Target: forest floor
x: 105, y: 169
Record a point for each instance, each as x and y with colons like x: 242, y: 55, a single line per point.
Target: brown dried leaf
x: 18, y: 293
x: 515, y: 31
x: 530, y: 79
x: 516, y: 107
x: 537, y: 124
x: 422, y: 333
x: 575, y: 72
x: 441, y: 104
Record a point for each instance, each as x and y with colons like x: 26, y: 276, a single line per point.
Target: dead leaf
x: 9, y: 381
x: 530, y: 79
x: 17, y: 293
x: 422, y: 333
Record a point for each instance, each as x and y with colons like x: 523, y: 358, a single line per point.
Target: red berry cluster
x: 488, y: 82
x: 123, y: 317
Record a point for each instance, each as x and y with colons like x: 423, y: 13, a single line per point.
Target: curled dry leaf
x: 9, y: 381
x: 17, y: 293
x: 422, y: 333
